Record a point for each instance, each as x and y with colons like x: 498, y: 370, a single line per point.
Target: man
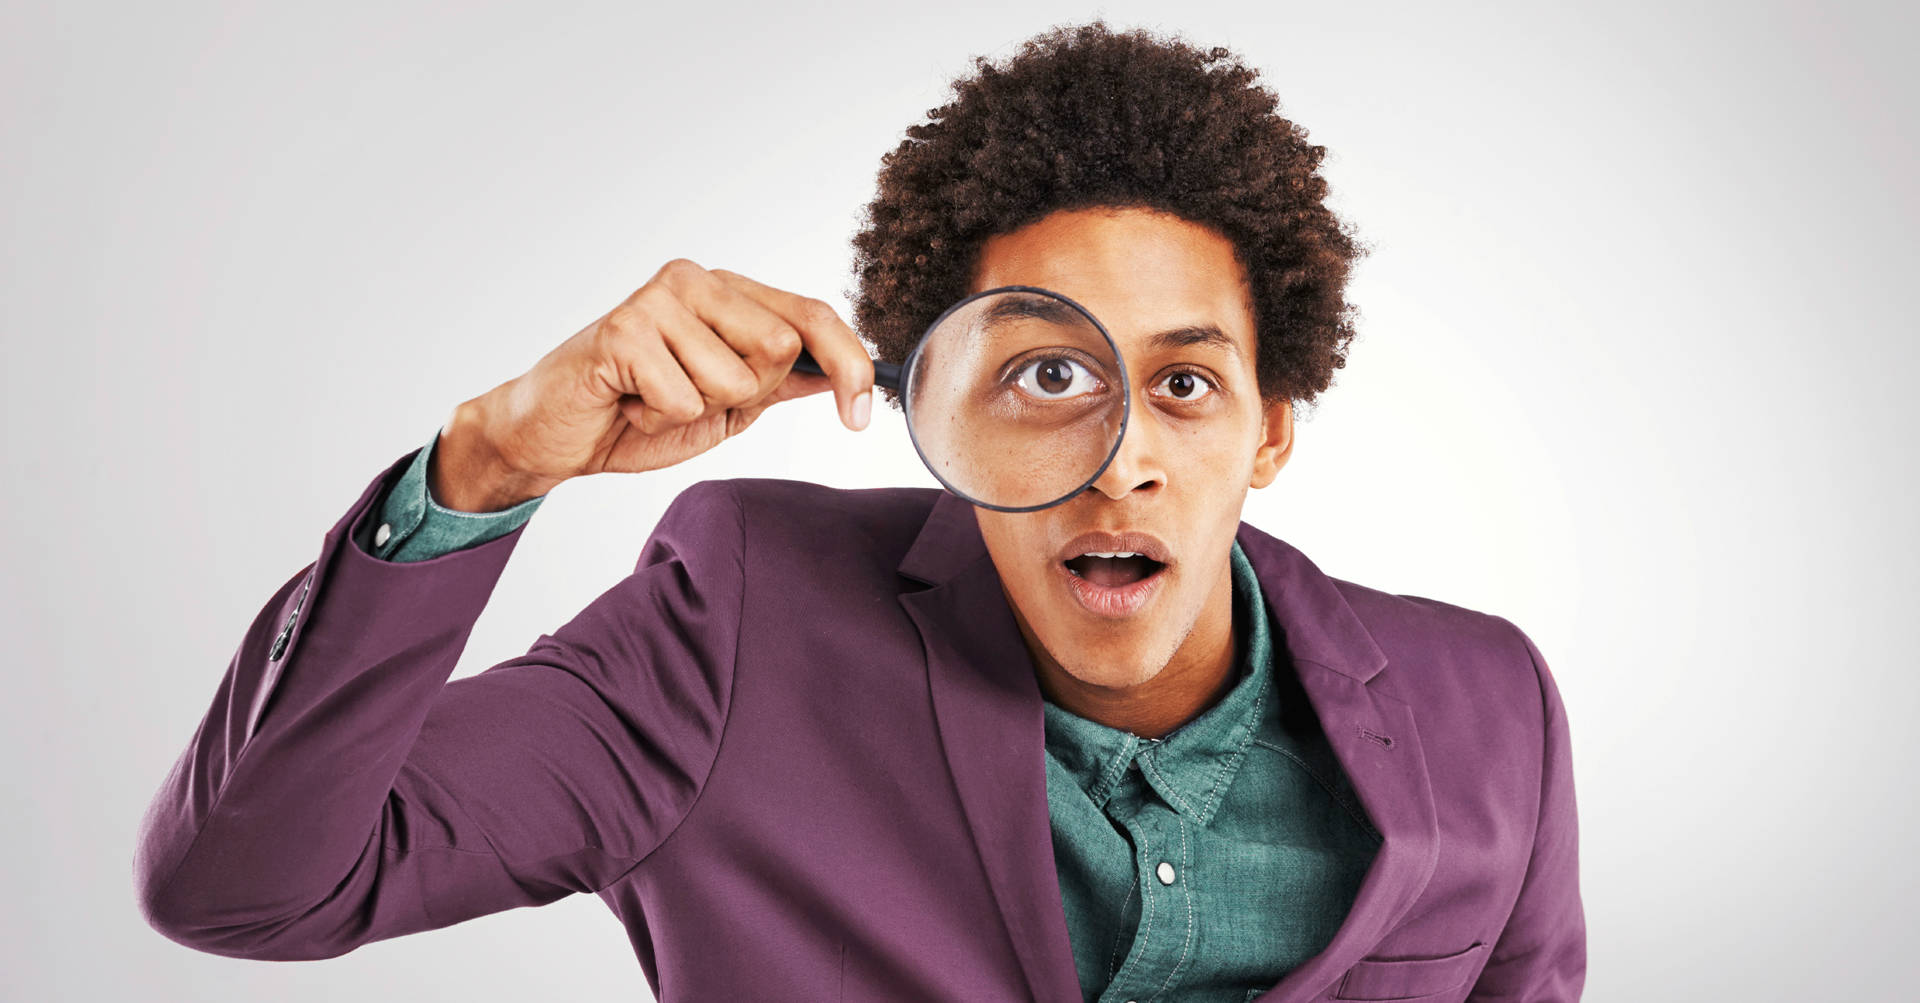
x: 883, y: 744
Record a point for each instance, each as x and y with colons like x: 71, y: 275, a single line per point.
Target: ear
x: 1276, y: 446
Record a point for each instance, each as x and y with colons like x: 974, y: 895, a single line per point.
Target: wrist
x: 467, y: 473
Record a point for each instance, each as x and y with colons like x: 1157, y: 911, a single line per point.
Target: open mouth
x: 1113, y: 571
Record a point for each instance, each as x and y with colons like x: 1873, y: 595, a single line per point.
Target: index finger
x: 828, y: 339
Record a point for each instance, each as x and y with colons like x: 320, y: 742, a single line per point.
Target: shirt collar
x: 1192, y: 766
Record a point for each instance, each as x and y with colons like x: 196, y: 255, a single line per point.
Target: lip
x: 1112, y: 602
x: 1129, y: 541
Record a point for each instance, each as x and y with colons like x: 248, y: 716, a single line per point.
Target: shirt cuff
x: 415, y: 527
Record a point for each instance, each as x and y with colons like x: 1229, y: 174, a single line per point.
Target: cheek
x: 1205, y: 471
x: 1034, y: 579
x: 1017, y: 557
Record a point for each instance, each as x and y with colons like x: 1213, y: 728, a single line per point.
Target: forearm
x: 277, y: 808
x: 340, y: 790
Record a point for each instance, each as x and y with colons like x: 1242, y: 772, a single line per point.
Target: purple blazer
x: 745, y: 747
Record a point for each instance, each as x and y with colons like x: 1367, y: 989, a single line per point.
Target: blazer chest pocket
x: 1409, y: 979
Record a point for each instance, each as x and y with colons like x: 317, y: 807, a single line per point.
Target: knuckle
x: 818, y: 313
x: 686, y: 407
x: 651, y: 301
x: 783, y: 341
x: 624, y: 319
x: 680, y: 270
x: 743, y: 386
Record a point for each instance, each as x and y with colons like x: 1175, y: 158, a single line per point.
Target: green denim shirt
x: 1208, y: 863
x: 1199, y: 867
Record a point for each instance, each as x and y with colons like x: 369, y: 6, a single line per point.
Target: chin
x: 1125, y: 668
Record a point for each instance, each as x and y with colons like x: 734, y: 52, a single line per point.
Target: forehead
x: 1139, y: 271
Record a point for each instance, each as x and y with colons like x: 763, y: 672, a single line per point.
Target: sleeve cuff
x: 415, y: 527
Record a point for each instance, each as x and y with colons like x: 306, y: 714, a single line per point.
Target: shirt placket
x: 1162, y: 946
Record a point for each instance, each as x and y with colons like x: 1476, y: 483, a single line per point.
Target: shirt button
x: 380, y: 535
x: 1165, y: 870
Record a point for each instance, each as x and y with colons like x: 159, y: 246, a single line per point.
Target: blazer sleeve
x: 1541, y: 954
x: 340, y: 790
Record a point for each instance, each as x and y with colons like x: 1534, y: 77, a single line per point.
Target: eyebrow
x: 1049, y: 309
x: 1193, y: 334
x: 1038, y: 307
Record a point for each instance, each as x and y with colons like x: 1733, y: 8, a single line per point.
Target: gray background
x: 1634, y: 372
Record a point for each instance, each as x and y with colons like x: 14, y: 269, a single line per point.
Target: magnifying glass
x: 1015, y: 397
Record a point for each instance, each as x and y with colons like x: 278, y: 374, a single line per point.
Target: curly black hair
x: 1085, y: 117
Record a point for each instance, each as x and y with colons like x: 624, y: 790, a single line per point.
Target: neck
x: 1200, y: 672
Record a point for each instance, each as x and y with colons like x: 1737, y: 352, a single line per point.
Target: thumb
x: 798, y: 384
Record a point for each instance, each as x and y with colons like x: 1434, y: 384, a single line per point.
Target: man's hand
x: 685, y: 363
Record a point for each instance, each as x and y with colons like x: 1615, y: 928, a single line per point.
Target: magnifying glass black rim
x: 913, y: 361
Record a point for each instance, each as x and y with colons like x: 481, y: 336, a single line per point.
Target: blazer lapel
x: 1372, y: 733
x: 987, y: 708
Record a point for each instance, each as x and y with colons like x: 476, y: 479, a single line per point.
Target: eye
x: 1055, y: 378
x: 1186, y: 385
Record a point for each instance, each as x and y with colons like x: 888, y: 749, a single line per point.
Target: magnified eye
x: 1055, y: 378
x: 1185, y: 385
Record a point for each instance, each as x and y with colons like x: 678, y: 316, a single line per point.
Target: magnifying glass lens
x: 1016, y: 399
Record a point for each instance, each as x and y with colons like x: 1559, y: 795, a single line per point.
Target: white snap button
x: 381, y: 535
x: 1165, y: 870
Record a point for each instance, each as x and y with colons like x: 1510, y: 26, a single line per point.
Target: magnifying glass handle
x: 885, y: 374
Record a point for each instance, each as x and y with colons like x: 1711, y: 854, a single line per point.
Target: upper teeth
x: 1096, y: 553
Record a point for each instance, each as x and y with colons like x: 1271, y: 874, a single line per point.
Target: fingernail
x: 862, y: 409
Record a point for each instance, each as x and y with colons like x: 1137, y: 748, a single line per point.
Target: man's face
x: 1197, y: 439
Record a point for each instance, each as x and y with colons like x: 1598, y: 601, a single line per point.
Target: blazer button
x: 1165, y: 871
x: 381, y: 535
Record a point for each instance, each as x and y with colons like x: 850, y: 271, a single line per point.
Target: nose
x: 1137, y: 465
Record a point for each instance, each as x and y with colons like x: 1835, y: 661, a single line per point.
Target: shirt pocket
x: 1413, y: 980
